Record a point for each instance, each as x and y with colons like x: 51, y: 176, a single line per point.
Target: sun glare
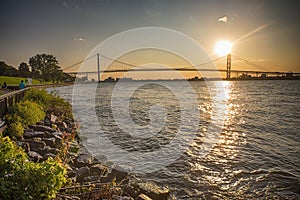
x: 223, y: 48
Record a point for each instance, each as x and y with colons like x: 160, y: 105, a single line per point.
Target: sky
x: 265, y: 32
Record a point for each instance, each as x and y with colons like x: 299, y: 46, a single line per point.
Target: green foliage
x: 14, y: 130
x: 7, y: 70
x: 50, y: 102
x: 21, y: 115
x: 40, y: 97
x: 21, y: 179
x: 45, y: 66
x: 10, y: 80
x: 29, y: 112
x: 24, y: 70
x: 60, y: 107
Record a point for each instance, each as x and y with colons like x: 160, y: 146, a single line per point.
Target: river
x: 255, y: 154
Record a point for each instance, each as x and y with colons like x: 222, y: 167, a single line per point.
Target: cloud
x: 223, y: 19
x: 79, y: 39
x: 65, y: 4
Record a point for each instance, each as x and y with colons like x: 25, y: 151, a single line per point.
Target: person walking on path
x: 4, y: 86
x: 22, y: 85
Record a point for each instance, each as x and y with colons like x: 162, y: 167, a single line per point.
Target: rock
x: 90, y: 178
x: 49, y: 155
x: 115, y: 197
x: 58, y: 141
x: 149, y: 189
x: 84, y: 160
x: 40, y: 123
x: 143, y: 197
x: 72, y: 159
x: 62, y: 126
x: 49, y: 141
x: 36, y: 157
x: 53, y: 118
x: 48, y: 149
x: 58, y: 134
x: 41, y: 128
x: 36, y: 145
x: 132, y: 189
x: 24, y: 145
x: 31, y: 134
x: 154, y: 192
x: 98, y: 170
x: 118, y: 174
x: 81, y: 173
x: 74, y: 147
x: 71, y: 174
x: 47, y: 122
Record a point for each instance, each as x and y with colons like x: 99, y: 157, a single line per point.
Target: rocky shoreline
x: 90, y: 178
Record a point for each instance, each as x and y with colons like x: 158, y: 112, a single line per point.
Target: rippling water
x: 257, y: 154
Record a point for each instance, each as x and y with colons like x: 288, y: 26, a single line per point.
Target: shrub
x: 21, y: 115
x: 40, y: 97
x: 14, y: 130
x: 50, y: 102
x: 60, y: 108
x: 21, y: 179
x: 29, y: 112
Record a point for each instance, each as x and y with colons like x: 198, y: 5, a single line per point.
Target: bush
x: 50, y: 102
x: 40, y: 97
x: 60, y: 108
x: 21, y: 115
x: 21, y: 179
x: 14, y: 130
x: 29, y: 112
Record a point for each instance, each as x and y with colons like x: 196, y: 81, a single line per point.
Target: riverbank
x: 58, y: 137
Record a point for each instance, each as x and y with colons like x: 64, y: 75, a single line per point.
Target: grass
x: 16, y: 80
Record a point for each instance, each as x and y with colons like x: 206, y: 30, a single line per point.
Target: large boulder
x: 49, y: 141
x: 74, y: 147
x: 143, y: 197
x: 98, y: 170
x: 83, y: 160
x: 47, y: 149
x: 41, y: 128
x: 149, y: 189
x: 119, y: 175
x: 24, y: 145
x: 34, y: 156
x: 49, y: 155
x: 35, y: 144
x: 28, y: 134
x: 154, y: 192
x: 82, y: 172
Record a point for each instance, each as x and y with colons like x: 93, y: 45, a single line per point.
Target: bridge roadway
x: 183, y: 69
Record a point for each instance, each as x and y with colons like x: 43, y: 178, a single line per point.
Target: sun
x: 223, y: 48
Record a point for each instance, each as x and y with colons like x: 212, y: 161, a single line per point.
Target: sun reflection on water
x: 218, y: 163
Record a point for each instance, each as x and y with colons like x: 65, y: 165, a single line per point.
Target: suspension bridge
x: 117, y: 66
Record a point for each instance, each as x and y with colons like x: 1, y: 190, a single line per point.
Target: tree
x: 6, y: 70
x: 24, y: 70
x: 45, y: 66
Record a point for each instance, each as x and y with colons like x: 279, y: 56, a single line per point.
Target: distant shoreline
x: 201, y: 79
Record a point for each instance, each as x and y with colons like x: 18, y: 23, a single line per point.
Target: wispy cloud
x: 223, y: 19
x: 65, y: 4
x: 79, y: 39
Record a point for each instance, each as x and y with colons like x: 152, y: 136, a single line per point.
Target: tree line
x: 44, y: 67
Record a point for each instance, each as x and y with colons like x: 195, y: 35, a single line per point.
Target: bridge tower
x: 98, y: 66
x: 228, y: 69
